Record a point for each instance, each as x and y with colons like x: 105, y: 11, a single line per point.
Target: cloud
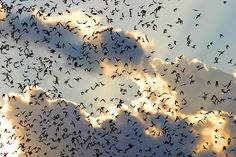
x: 2, y: 13
x: 234, y: 74
x: 60, y: 46
x: 81, y: 36
x: 56, y: 127
x: 9, y: 142
x: 168, y: 108
x: 61, y: 127
x: 198, y: 85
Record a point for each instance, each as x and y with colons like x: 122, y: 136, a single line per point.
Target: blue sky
x: 216, y: 18
x: 126, y: 78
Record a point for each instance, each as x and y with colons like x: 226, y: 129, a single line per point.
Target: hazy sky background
x: 160, y: 95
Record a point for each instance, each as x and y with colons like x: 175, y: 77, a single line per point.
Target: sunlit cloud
x: 172, y: 106
x: 2, y: 13
x: 9, y: 141
x: 210, y: 126
x: 77, y: 21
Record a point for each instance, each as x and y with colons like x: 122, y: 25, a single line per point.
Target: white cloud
x: 191, y: 79
x: 165, y: 119
x: 59, y: 127
x: 39, y: 123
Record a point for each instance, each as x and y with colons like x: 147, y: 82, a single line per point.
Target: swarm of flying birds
x: 131, y: 104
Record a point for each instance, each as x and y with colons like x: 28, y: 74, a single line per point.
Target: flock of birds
x: 40, y: 49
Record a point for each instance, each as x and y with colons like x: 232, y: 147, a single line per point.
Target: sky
x: 117, y: 78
